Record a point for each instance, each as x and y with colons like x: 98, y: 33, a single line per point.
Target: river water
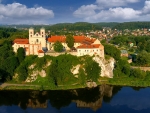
x: 102, y: 99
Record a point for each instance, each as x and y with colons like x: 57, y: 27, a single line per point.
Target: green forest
x: 140, y: 50
x: 132, y: 25
x: 85, y: 26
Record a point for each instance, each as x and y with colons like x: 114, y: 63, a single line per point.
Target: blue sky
x: 60, y: 11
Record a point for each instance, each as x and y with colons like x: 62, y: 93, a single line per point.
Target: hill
x: 78, y: 26
x: 132, y: 25
x: 107, y: 24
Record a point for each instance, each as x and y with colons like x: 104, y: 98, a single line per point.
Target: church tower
x: 43, y: 38
x: 31, y: 34
x: 42, y: 32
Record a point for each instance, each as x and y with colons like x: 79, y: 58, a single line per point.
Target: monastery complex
x: 39, y: 44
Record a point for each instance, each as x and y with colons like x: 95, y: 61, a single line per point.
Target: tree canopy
x: 112, y: 51
x: 21, y: 54
x: 58, y: 47
x: 70, y: 41
x: 143, y: 59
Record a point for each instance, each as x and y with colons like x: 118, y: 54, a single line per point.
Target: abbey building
x: 39, y: 44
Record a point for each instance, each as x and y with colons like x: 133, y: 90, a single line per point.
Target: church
x: 39, y: 44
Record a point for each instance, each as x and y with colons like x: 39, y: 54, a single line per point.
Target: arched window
x: 37, y: 40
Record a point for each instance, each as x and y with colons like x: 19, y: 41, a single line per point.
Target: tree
x: 138, y: 73
x: 20, y: 54
x: 22, y: 73
x: 10, y: 64
x: 58, y: 47
x: 70, y: 41
x: 112, y: 51
x: 143, y: 59
x: 92, y: 69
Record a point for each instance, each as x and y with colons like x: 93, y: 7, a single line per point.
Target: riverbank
x: 123, y: 81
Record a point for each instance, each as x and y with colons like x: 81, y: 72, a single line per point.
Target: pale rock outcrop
x: 91, y: 84
x: 47, y: 64
x: 75, y: 70
x: 32, y: 66
x: 42, y: 73
x: 34, y: 75
x: 106, y: 66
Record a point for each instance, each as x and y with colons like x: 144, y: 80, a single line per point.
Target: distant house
x: 93, y: 49
x: 124, y: 53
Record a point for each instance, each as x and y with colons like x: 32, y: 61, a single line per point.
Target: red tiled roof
x: 21, y: 41
x: 40, y: 51
x: 57, y: 38
x: 88, y: 41
x: 89, y: 46
x: 79, y: 38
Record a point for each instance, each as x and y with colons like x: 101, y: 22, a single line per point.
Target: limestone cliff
x: 107, y: 66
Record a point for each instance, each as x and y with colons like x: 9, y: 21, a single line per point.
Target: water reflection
x: 100, y: 99
x: 87, y: 98
x: 102, y: 91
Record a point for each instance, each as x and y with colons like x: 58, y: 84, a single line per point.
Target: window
x: 36, y: 34
x: 42, y: 35
x: 30, y: 32
x: 42, y: 32
x: 31, y: 36
x: 37, y: 40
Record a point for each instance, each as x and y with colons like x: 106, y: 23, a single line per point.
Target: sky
x: 70, y: 11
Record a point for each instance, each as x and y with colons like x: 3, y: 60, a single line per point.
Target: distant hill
x: 107, y: 24
x: 83, y: 26
x: 132, y: 25
x: 62, y: 26
x: 78, y: 26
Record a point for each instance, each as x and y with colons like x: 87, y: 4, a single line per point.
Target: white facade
x: 34, y: 44
x: 90, y: 50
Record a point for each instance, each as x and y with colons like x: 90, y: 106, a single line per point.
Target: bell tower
x: 42, y: 32
x: 43, y: 37
x: 31, y: 34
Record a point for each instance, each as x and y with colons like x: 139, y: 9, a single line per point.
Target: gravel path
x: 3, y: 85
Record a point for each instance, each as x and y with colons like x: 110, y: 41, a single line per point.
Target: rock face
x: 75, y: 70
x: 106, y: 66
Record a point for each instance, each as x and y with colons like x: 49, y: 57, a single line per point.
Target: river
x: 102, y: 99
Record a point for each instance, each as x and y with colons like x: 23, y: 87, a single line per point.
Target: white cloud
x: 117, y: 13
x: 146, y: 8
x: 114, y: 3
x: 87, y: 10
x: 19, y: 13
